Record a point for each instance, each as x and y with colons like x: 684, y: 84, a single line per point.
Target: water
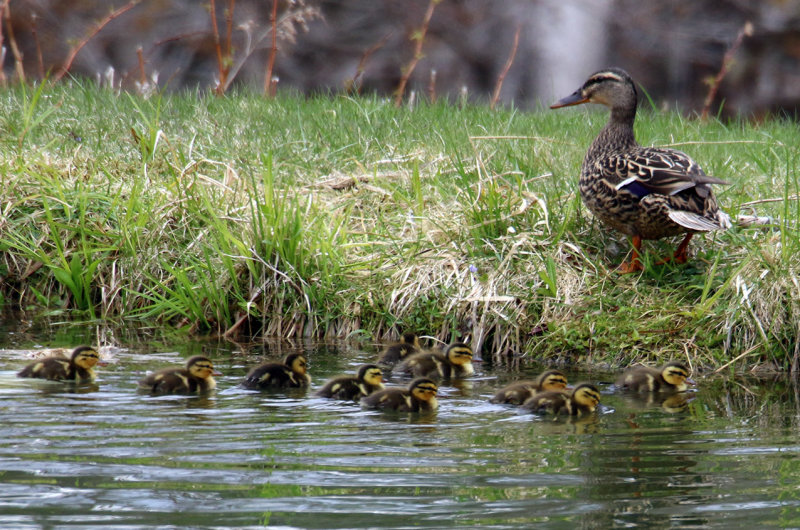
x: 103, y: 455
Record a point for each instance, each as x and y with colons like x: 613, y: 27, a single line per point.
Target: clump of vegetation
x: 338, y: 216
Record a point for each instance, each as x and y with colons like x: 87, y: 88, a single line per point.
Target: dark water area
x: 102, y: 455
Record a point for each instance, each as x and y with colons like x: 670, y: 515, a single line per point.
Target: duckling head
x: 411, y: 339
x: 586, y: 395
x: 297, y: 363
x: 201, y: 367
x: 423, y: 389
x: 370, y: 374
x: 85, y: 356
x: 459, y: 353
x: 612, y: 87
x: 676, y: 374
x: 552, y: 381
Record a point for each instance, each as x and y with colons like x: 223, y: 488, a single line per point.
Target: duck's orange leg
x: 635, y: 263
x: 681, y: 254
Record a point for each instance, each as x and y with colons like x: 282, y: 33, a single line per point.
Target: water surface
x: 102, y: 455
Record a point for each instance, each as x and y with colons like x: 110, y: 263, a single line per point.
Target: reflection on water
x: 103, y: 455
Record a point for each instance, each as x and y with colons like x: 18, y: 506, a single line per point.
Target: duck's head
x: 423, y: 389
x: 552, y: 380
x: 370, y: 374
x: 411, y: 339
x: 297, y: 363
x: 677, y: 374
x: 586, y: 396
x: 459, y: 353
x: 85, y: 356
x: 612, y: 87
x: 200, y: 367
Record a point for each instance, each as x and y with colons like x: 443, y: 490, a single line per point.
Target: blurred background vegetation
x: 673, y: 48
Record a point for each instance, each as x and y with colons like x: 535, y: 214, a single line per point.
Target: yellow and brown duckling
x: 195, y: 377
x: 78, y: 367
x: 420, y: 396
x: 291, y: 373
x: 643, y: 192
x: 518, y: 392
x: 583, y: 400
x: 455, y: 362
x: 396, y: 352
x: 368, y: 379
x: 672, y: 377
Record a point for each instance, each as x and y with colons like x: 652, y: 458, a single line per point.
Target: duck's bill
x: 576, y: 98
x: 690, y: 381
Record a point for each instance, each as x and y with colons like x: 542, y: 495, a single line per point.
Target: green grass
x: 333, y: 216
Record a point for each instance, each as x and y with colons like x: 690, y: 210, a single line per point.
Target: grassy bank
x: 333, y: 217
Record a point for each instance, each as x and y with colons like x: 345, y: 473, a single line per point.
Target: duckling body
x: 394, y: 353
x: 455, y: 362
x: 518, y: 392
x: 291, y: 373
x: 420, y: 396
x: 672, y: 377
x: 78, y: 367
x: 367, y: 380
x: 195, y: 377
x: 643, y: 192
x: 583, y: 400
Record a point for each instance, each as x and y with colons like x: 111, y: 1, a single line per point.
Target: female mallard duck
x: 583, y: 400
x: 455, y: 362
x: 394, y: 353
x: 292, y: 372
x: 519, y: 391
x: 79, y: 366
x: 196, y: 376
x: 367, y: 380
x: 644, y: 192
x: 672, y: 377
x: 420, y: 396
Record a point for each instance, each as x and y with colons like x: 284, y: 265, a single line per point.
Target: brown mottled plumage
x: 196, y: 376
x: 518, y: 392
x: 672, y: 377
x: 79, y: 366
x: 420, y: 396
x: 455, y: 362
x: 583, y: 400
x: 367, y: 380
x: 394, y: 353
x: 644, y: 192
x: 292, y: 372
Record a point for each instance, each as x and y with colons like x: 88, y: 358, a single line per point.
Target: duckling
x: 672, y: 377
x: 367, y: 380
x: 519, y: 391
x: 196, y: 376
x: 394, y: 353
x: 78, y: 367
x: 455, y: 362
x: 420, y: 396
x: 643, y: 192
x: 583, y: 400
x: 291, y: 373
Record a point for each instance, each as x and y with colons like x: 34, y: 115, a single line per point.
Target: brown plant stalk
x: 354, y: 84
x: 746, y: 31
x: 419, y: 38
x: 269, y: 86
x: 100, y: 25
x: 12, y: 42
x: 506, y: 67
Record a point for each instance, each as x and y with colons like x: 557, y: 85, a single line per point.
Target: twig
x: 432, y: 86
x: 744, y: 354
x: 102, y: 24
x: 3, y: 10
x: 419, y: 37
x: 38, y: 45
x: 499, y: 85
x: 223, y: 73
x: 273, y: 50
x: 354, y: 84
x: 142, y: 74
x: 12, y: 42
x: 746, y: 31
x: 774, y: 199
